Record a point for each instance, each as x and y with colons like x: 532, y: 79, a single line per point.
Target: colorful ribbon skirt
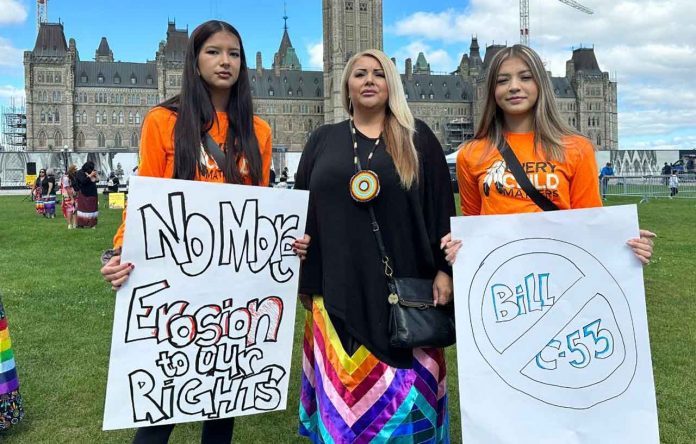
x: 359, y: 399
x: 11, y: 410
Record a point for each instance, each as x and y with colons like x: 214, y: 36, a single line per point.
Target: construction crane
x: 524, y: 17
x: 41, y: 13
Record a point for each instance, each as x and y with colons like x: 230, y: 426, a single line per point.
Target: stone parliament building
x: 94, y: 108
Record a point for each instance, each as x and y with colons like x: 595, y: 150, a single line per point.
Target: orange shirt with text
x: 157, y: 151
x: 486, y: 185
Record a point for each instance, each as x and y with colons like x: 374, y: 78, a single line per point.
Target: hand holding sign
x: 209, y: 309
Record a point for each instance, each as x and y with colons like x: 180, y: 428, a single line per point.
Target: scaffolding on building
x: 14, y: 126
x: 458, y: 131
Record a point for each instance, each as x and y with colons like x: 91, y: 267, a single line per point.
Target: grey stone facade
x: 99, y: 105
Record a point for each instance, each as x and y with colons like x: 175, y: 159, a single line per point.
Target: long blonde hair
x: 399, y: 124
x: 549, y: 126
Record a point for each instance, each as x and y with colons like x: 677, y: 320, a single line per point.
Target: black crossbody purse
x: 414, y: 320
x: 516, y: 169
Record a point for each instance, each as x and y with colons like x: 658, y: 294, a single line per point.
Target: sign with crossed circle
x: 560, y: 342
x: 552, y: 332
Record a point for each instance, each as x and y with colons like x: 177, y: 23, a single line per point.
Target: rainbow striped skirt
x: 11, y: 411
x: 359, y: 399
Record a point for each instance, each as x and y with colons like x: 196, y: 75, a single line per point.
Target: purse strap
x: 513, y: 163
x: 213, y: 149
x: 386, y: 261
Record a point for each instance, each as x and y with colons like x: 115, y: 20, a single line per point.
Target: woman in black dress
x: 87, y: 199
x: 355, y: 386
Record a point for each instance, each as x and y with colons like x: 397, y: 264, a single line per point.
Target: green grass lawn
x: 60, y: 315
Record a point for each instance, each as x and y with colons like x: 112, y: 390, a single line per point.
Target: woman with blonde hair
x: 520, y: 118
x: 356, y: 386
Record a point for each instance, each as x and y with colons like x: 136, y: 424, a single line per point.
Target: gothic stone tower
x: 350, y: 26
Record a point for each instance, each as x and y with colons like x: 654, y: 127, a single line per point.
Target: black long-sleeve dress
x: 343, y: 262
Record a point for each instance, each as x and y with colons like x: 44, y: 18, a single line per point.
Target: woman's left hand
x: 643, y: 246
x: 442, y: 289
x: 301, y: 245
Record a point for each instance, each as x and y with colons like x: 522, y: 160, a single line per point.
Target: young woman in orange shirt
x: 215, y: 98
x: 520, y: 111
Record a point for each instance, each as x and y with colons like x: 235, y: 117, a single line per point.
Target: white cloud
x: 648, y: 45
x: 12, y: 11
x: 316, y: 55
x: 9, y: 55
x: 439, y: 59
x: 9, y: 91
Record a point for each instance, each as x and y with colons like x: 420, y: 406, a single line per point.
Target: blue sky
x: 647, y: 45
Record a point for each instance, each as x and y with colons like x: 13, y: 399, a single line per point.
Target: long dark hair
x: 196, y: 114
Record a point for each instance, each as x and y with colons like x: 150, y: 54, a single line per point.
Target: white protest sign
x: 203, y: 328
x: 552, y: 332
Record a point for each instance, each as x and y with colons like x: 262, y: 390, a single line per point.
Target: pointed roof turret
x: 474, y: 50
x: 422, y: 65
x: 104, y: 53
x: 286, y: 57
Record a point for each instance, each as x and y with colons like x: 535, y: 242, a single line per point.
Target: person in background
x: 272, y: 180
x: 604, y: 175
x: 519, y: 108
x: 112, y: 185
x: 48, y: 194
x: 666, y: 171
x: 282, y: 183
x: 11, y: 403
x: 37, y: 191
x: 215, y: 99
x: 343, y: 283
x: 673, y: 184
x: 68, y: 191
x: 88, y: 198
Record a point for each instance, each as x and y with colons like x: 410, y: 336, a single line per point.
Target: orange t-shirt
x: 486, y: 185
x: 157, y: 151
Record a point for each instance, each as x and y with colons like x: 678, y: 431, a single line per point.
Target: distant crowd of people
x: 78, y: 189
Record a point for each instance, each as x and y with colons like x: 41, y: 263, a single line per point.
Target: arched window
x: 599, y: 140
x: 98, y: 119
x: 137, y: 119
x: 58, y: 139
x: 80, y: 140
x: 100, y: 78
x: 133, y: 79
x: 78, y: 116
x: 117, y: 79
x: 42, y: 139
x: 101, y: 140
x: 113, y: 118
x: 50, y: 116
x: 104, y: 117
x: 130, y: 118
x: 117, y: 140
x: 84, y: 116
x: 134, y: 139
x: 120, y: 117
x: 271, y: 92
x: 43, y: 117
x: 57, y: 116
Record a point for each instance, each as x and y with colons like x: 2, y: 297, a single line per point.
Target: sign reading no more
x: 203, y: 327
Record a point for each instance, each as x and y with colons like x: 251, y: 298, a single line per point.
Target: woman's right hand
x: 115, y: 272
x: 450, y: 247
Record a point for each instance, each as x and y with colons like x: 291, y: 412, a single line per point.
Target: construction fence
x: 649, y: 187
